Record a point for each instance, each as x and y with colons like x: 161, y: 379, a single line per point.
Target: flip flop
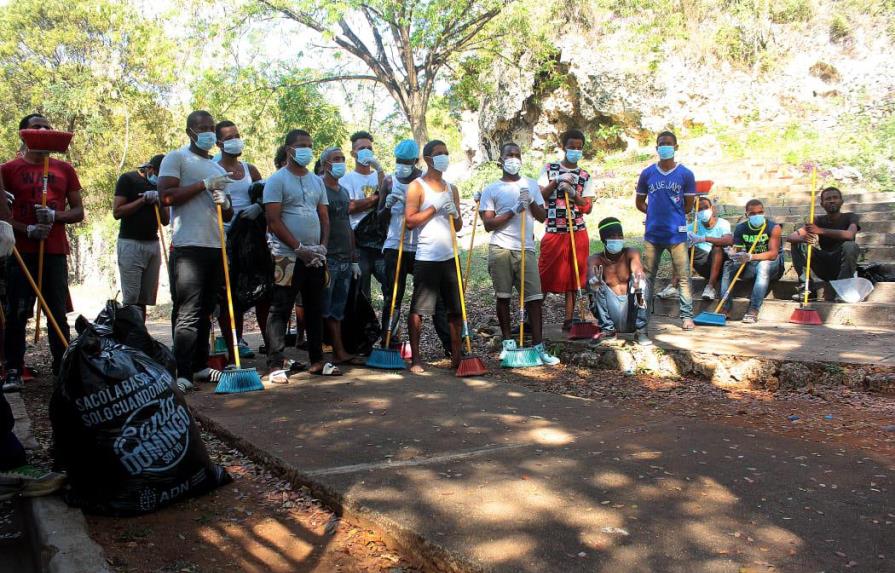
x: 278, y: 377
x: 328, y: 370
x: 295, y: 366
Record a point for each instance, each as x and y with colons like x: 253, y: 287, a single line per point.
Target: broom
x: 43, y: 303
x: 469, y: 365
x: 804, y: 314
x: 475, y: 220
x: 44, y: 141
x: 161, y: 237
x: 581, y: 328
x: 238, y: 379
x: 386, y: 357
x: 520, y: 357
x: 706, y: 318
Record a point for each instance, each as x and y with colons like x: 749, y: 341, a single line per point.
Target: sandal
x: 292, y: 366
x: 278, y: 377
x: 328, y: 370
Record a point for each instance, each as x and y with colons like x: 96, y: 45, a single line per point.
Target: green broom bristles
x: 521, y: 358
x: 237, y: 381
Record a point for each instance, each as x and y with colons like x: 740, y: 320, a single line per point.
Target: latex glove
x: 741, y: 258
x: 442, y: 200
x: 568, y: 189
x: 812, y: 239
x: 477, y: 196
x: 520, y: 207
x: 217, y: 182
x: 450, y: 209
x: 525, y: 197
x: 7, y: 239
x: 693, y: 238
x: 306, y: 255
x: 355, y: 271
x: 38, y: 232
x: 44, y: 215
x: 374, y: 163
x: 392, y: 198
x: 150, y: 197
x: 252, y: 211
x: 221, y: 198
x: 320, y: 250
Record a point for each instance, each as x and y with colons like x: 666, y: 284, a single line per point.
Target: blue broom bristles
x: 386, y: 359
x: 237, y: 381
x: 521, y: 358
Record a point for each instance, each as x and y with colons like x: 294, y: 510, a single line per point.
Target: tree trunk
x: 416, y: 116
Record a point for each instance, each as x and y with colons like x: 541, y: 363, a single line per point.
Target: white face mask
x: 512, y: 165
x: 233, y: 146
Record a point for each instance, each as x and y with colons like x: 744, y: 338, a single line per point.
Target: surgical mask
x: 364, y: 156
x: 337, y: 169
x: 303, y: 155
x: 441, y: 162
x: 705, y: 215
x: 573, y: 155
x: 512, y: 165
x: 205, y: 140
x: 153, y: 179
x: 614, y: 246
x: 233, y: 146
x: 756, y: 220
x: 403, y: 171
x: 665, y: 151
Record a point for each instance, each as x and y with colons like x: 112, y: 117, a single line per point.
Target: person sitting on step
x: 618, y: 287
x: 833, y: 236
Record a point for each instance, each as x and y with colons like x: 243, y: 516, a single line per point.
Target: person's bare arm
x: 274, y: 214
x: 121, y: 208
x: 689, y: 203
x: 839, y: 235
x: 323, y: 215
x: 636, y: 263
x: 172, y: 193
x: 367, y: 203
x: 254, y: 173
x: 164, y: 214
x: 773, y: 246
x: 492, y: 221
x: 640, y: 202
x: 722, y: 241
x: 538, y: 211
x: 548, y: 189
x: 75, y: 211
x: 413, y: 216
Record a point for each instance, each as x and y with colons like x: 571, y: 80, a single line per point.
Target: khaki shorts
x: 504, y: 266
x: 138, y: 265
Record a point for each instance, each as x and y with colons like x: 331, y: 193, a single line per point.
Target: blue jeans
x: 372, y: 264
x: 335, y: 294
x: 763, y: 272
x: 613, y: 310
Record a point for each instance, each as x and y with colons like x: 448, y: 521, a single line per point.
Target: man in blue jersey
x: 666, y: 192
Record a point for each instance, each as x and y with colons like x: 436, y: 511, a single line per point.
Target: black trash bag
x: 251, y: 266
x: 123, y: 432
x: 125, y: 324
x: 877, y: 272
x: 365, y: 329
x: 370, y: 233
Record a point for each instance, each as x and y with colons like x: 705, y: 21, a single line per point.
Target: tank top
x: 397, y: 220
x: 239, y: 191
x: 434, y: 240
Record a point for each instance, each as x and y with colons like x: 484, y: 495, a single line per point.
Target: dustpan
x: 386, y: 357
x: 521, y: 357
x: 805, y: 314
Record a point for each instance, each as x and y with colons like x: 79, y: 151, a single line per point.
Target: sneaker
x: 668, y: 292
x: 13, y: 382
x: 184, y: 385
x: 799, y: 295
x: 34, y: 481
x: 642, y: 339
x: 751, y: 316
x: 244, y: 350
x: 507, y: 345
x: 207, y: 375
x: 708, y: 293
x: 547, y: 358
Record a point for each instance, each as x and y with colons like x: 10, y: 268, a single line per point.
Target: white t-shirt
x: 359, y: 186
x: 299, y: 197
x: 397, y: 220
x: 501, y: 196
x: 195, y: 222
x: 721, y: 228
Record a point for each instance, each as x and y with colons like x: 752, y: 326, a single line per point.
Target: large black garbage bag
x: 365, y: 331
x: 251, y: 266
x: 125, y: 324
x: 877, y: 272
x: 123, y: 432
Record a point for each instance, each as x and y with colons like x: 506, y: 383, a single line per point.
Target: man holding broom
x: 503, y: 204
x: 23, y: 178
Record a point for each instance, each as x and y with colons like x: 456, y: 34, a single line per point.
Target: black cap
x: 155, y: 162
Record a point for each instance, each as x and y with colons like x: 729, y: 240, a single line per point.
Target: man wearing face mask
x: 295, y: 203
x: 618, y: 287
x: 433, y: 205
x: 194, y: 185
x: 556, y: 180
x: 666, y: 192
x: 503, y: 204
x: 764, y: 265
x: 711, y: 236
x: 139, y: 254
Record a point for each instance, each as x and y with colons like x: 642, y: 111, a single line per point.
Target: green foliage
x: 789, y: 11
x: 840, y: 29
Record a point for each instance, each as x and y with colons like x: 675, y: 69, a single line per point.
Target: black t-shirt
x: 142, y: 225
x: 844, y: 222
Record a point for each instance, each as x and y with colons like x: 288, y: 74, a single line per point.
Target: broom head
x: 521, y: 358
x: 582, y: 330
x: 805, y: 315
x: 386, y: 359
x: 471, y: 366
x: 46, y: 140
x: 703, y: 187
x: 235, y: 381
x: 710, y: 319
x: 406, y: 351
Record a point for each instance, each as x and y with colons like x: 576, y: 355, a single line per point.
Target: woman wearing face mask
x: 617, y: 287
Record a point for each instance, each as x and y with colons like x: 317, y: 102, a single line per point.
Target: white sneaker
x: 668, y: 292
x: 708, y: 293
x: 207, y: 375
x: 184, y: 385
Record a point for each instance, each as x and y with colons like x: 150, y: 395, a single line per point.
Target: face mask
x: 441, y: 162
x: 403, y: 171
x: 153, y: 179
x: 705, y: 215
x: 573, y: 155
x: 756, y: 220
x: 233, y: 146
x: 303, y: 155
x: 205, y: 140
x: 665, y: 151
x: 614, y: 246
x: 337, y: 170
x: 364, y: 156
x: 512, y: 165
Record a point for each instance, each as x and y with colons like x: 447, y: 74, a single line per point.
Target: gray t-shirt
x: 299, y: 197
x: 339, y: 246
x: 195, y: 222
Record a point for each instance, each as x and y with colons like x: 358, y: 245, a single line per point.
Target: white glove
x: 7, y: 239
x: 525, y: 197
x: 221, y: 198
x: 450, y: 209
x: 306, y: 255
x: 150, y: 197
x: 568, y: 189
x: 393, y: 198
x: 319, y: 249
x: 217, y: 182
x: 442, y: 200
x: 568, y: 178
x: 741, y: 258
x: 520, y: 206
x: 355, y: 270
x: 813, y: 240
x: 693, y: 238
x: 252, y: 211
x: 374, y: 163
x: 44, y: 215
x: 477, y: 196
x: 38, y: 232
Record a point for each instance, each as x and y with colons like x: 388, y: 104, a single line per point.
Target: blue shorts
x: 335, y: 294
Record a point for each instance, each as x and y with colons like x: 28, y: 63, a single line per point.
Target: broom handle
x: 460, y: 282
x: 475, y: 220
x: 522, y: 284
x: 739, y: 270
x: 570, y: 224
x: 227, y: 284
x: 40, y: 297
x: 40, y: 249
x: 161, y: 236
x: 391, y: 311
x: 810, y: 220
x: 695, y: 231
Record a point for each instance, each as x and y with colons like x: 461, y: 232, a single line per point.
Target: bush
x: 840, y: 29
x: 789, y: 11
x: 731, y: 44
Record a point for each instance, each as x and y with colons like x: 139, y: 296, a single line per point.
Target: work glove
x: 355, y: 271
x: 392, y: 198
x: 150, y: 197
x: 442, y: 200
x: 525, y: 197
x: 7, y: 239
x: 569, y: 189
x: 252, y: 211
x: 38, y: 232
x: 477, y: 196
x: 450, y: 209
x: 693, y: 238
x: 44, y: 215
x: 319, y: 249
x: 217, y: 182
x: 812, y: 240
x: 221, y: 198
x: 520, y: 206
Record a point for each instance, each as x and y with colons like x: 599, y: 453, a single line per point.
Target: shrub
x: 840, y: 29
x: 789, y: 11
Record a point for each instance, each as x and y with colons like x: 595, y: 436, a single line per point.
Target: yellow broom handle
x: 475, y: 220
x: 161, y: 236
x: 460, y: 282
x: 810, y: 220
x: 227, y: 284
x: 40, y: 298
x: 570, y: 223
x: 522, y: 284
x: 391, y: 311
x: 40, y: 249
x: 739, y: 270
x: 695, y: 230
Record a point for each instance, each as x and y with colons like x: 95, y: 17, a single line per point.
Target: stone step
x: 882, y: 210
x: 876, y: 239
x: 783, y: 289
x: 788, y: 216
x: 786, y: 196
x: 791, y: 223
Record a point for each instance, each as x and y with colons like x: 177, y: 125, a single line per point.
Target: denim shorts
x: 335, y: 295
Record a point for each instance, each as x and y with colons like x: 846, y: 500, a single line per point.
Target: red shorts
x: 555, y: 262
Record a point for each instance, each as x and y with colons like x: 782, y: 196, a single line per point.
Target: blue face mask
x: 153, y: 179
x: 573, y: 155
x: 337, y: 170
x: 364, y: 156
x: 441, y: 162
x: 665, y: 151
x: 205, y: 140
x: 756, y: 221
x: 705, y: 215
x: 614, y: 246
x: 403, y: 171
x: 303, y: 155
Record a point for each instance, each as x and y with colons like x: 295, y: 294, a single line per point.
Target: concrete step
x: 787, y: 196
x: 788, y: 215
x: 867, y: 227
x: 868, y: 211
x: 784, y: 289
x: 876, y: 239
